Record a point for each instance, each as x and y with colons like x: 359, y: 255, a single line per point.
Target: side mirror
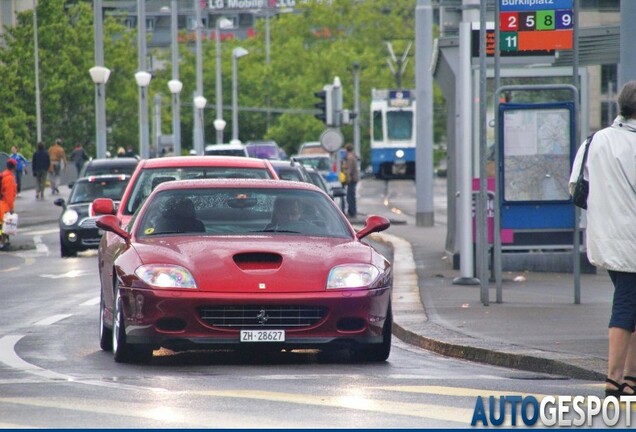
x: 60, y: 202
x: 111, y: 223
x: 103, y: 206
x: 373, y: 224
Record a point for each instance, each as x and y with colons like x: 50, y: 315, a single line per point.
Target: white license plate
x: 262, y: 335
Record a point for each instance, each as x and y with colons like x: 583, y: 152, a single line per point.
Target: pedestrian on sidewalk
x: 21, y: 166
x: 78, y: 157
x: 611, y: 231
x: 40, y: 164
x: 58, y: 165
x: 8, y: 192
x: 353, y: 176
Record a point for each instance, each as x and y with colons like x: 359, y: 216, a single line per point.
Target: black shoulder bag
x: 582, y: 187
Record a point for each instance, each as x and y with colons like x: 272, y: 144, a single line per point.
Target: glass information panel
x: 536, y: 154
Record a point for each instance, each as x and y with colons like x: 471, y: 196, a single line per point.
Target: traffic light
x: 325, y: 105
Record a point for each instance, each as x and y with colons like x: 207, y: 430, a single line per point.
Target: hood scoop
x: 258, y: 261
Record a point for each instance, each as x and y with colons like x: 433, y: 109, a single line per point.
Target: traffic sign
x: 331, y: 140
x: 535, y: 25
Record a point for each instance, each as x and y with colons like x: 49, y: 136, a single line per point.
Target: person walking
x: 58, y: 165
x: 353, y: 176
x: 611, y: 232
x: 40, y: 165
x: 8, y: 192
x: 78, y: 157
x: 21, y: 166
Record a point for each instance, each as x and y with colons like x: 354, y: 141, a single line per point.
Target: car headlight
x: 166, y: 276
x: 352, y: 276
x: 69, y: 217
x: 399, y: 154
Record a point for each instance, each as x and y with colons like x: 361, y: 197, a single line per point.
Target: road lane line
x: 52, y: 319
x: 91, y: 302
x: 355, y: 402
x: 9, y: 357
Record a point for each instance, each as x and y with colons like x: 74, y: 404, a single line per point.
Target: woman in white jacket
x: 611, y: 232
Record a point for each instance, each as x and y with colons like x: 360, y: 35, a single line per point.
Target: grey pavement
x: 536, y: 328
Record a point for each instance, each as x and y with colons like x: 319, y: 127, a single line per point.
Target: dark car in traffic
x: 78, y: 231
x: 121, y: 165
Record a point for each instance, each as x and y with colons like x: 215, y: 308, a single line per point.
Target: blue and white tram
x: 393, y: 134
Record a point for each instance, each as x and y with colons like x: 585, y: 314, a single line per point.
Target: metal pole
x: 267, y: 61
x: 198, y: 118
x: 36, y: 53
x: 100, y: 89
x: 425, y: 213
x: 219, y: 89
x: 627, y: 65
x: 356, y: 108
x: 144, y: 151
x: 481, y: 206
x: 176, y: 105
x: 576, y: 264
x: 234, y: 98
x: 496, y: 207
x: 464, y: 153
x: 156, y: 136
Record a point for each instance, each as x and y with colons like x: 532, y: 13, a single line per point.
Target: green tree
x: 66, y: 53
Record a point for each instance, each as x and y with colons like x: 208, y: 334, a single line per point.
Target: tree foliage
x: 308, y: 48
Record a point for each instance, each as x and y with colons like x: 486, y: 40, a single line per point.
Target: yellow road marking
x: 357, y: 402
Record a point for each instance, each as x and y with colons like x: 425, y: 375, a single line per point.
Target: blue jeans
x: 351, y: 198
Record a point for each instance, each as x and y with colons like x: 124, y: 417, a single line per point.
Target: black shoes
x: 620, y: 388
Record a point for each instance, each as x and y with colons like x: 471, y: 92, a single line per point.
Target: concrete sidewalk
x: 536, y: 328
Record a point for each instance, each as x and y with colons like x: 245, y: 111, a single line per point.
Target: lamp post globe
x: 237, y: 53
x: 143, y: 81
x: 175, y: 87
x: 221, y: 23
x: 199, y: 103
x: 100, y: 75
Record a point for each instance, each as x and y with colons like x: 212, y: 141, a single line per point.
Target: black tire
x: 65, y: 251
x: 377, y: 352
x: 105, y: 334
x: 123, y: 352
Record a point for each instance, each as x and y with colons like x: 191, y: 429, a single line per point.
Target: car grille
x: 88, y: 223
x: 267, y: 316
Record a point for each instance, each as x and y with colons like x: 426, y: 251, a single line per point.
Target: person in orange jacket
x: 8, y: 192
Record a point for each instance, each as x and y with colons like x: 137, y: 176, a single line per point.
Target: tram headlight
x: 399, y: 154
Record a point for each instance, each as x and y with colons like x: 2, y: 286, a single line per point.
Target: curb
x: 411, y: 324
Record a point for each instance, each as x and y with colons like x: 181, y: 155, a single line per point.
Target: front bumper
x: 174, y: 319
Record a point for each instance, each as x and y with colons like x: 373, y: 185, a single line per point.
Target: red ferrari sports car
x: 244, y: 263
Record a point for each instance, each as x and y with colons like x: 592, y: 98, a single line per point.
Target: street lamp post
x: 237, y: 53
x: 174, y: 84
x: 175, y: 87
x: 199, y: 103
x: 99, y: 75
x: 219, y: 125
x: 198, y: 118
x: 221, y: 23
x: 143, y: 80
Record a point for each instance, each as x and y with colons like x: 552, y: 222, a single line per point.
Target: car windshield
x: 148, y: 179
x: 320, y: 163
x: 224, y: 152
x: 242, y: 211
x: 87, y: 191
x: 95, y: 170
x: 289, y: 173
